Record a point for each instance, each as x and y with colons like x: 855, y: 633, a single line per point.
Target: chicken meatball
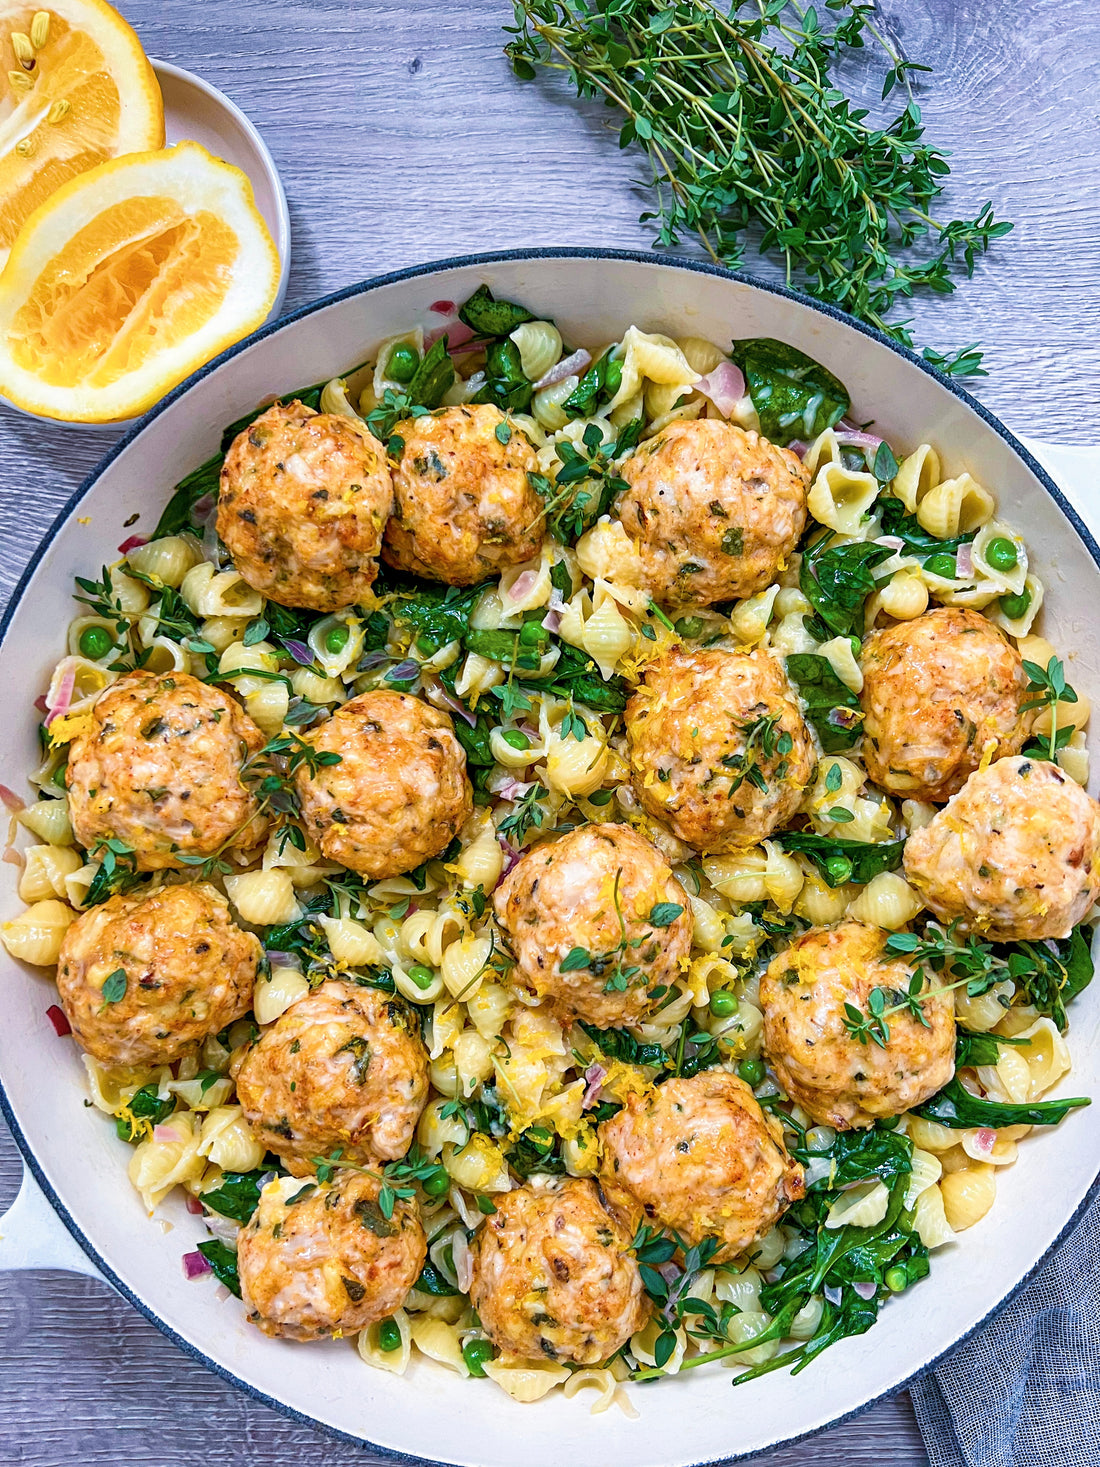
x: 144, y: 977
x: 344, y: 1068
x: 700, y: 1157
x: 553, y: 1278
x: 323, y: 1259
x: 465, y: 507
x: 939, y: 692
x: 819, y: 1062
x: 304, y: 499
x: 397, y: 793
x: 597, y: 922
x: 715, y: 511
x: 1015, y: 854
x: 159, y: 768
x: 719, y: 750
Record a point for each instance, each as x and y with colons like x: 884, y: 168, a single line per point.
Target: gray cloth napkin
x: 1025, y: 1392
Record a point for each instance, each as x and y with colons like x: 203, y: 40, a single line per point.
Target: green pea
x: 436, y: 1183
x: 723, y: 1003
x: 752, y: 1072
x: 1016, y: 606
x: 403, y: 363
x: 532, y: 634
x: 95, y: 642
x: 516, y: 739
x: 389, y: 1335
x: 336, y: 638
x: 475, y: 1353
x: 689, y: 626
x: 59, y: 776
x: 421, y: 976
x: 941, y: 564
x: 838, y: 870
x: 896, y: 1279
x: 1002, y: 554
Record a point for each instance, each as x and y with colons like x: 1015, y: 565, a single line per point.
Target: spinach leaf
x: 505, y: 384
x: 837, y: 579
x: 475, y: 740
x: 223, y: 1260
x: 487, y: 316
x: 432, y: 1281
x: 147, y: 1107
x: 897, y: 521
x: 955, y: 1107
x: 603, y: 378
x: 841, y: 860
x: 576, y: 676
x: 823, y: 692
x: 237, y: 1194
x: 794, y: 396
x: 433, y: 376
x: 437, y: 614
x: 979, y: 1049
x: 860, y: 1155
x: 620, y: 1044
x: 197, y: 485
x: 1050, y: 979
x: 537, y: 1150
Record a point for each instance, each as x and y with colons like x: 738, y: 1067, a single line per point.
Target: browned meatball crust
x: 324, y: 1259
x: 719, y: 750
x: 715, y: 511
x: 304, y: 499
x: 1015, y: 854
x: 398, y: 793
x: 819, y: 1062
x: 579, y: 914
x: 554, y: 1278
x: 344, y: 1068
x: 939, y: 692
x: 465, y: 506
x: 159, y: 768
x: 700, y: 1157
x: 180, y: 966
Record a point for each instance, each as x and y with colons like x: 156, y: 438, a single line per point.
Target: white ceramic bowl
x: 80, y: 1164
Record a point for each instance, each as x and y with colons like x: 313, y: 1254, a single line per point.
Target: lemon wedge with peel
x: 75, y: 91
x: 127, y: 279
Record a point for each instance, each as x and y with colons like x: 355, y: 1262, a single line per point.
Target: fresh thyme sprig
x: 1050, y: 688
x: 746, y: 129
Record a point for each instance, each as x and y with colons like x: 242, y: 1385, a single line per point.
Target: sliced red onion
x: 832, y: 1294
x: 166, y: 1132
x: 669, y: 1272
x: 984, y: 1141
x: 798, y: 447
x: 458, y: 335
x: 557, y: 600
x: 279, y: 959
x: 210, y: 548
x: 512, y: 788
x: 853, y: 438
x: 14, y: 857
x: 58, y: 1020
x: 64, y: 695
x: 463, y: 1262
x: 866, y: 1288
x: 892, y: 542
x: 565, y: 368
x: 442, y: 308
x: 522, y: 585
x: 964, y: 561
x: 725, y: 386
x: 298, y: 650
x: 773, y: 1275
x: 202, y: 509
x: 12, y: 803
x: 594, y: 1077
x: 552, y: 621
x: 41, y: 704
x: 438, y: 694
x: 195, y: 1265
x: 132, y: 543
x: 844, y: 717
x: 511, y: 854
x: 816, y: 1170
x: 193, y: 1205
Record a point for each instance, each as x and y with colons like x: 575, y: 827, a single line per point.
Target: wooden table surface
x: 402, y: 137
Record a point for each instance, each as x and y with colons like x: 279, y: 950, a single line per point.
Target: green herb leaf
x: 114, y: 986
x: 664, y: 914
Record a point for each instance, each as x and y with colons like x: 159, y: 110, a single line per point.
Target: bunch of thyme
x: 747, y: 131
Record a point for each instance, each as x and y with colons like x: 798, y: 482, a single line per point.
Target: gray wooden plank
x: 402, y: 137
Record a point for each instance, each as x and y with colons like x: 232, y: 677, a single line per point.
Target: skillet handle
x: 33, y: 1236
x: 1075, y: 468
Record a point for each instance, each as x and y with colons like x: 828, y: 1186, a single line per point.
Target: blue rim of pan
x: 414, y: 272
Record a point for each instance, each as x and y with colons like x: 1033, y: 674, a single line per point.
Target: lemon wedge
x: 75, y: 91
x: 127, y: 279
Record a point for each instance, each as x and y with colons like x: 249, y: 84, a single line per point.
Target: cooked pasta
x: 501, y: 930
